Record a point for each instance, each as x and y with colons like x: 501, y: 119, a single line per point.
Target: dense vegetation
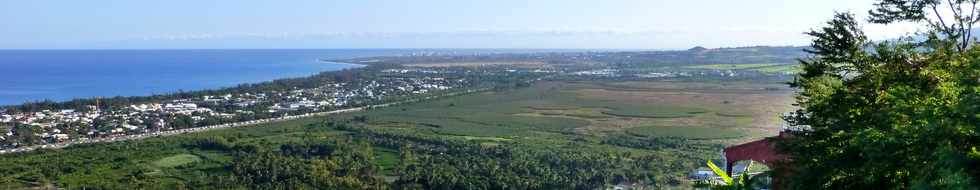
x: 342, y: 155
x: 898, y: 114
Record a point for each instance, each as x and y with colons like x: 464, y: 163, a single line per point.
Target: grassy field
x: 655, y: 112
x: 598, y: 109
x: 684, y: 132
x: 790, y: 68
x: 548, y: 115
x: 760, y: 67
x: 176, y: 160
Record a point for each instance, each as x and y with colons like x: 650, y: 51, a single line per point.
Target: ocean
x: 59, y: 75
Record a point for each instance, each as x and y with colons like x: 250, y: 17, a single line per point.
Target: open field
x: 684, y: 132
x: 599, y: 109
x: 791, y: 68
x: 760, y: 67
x: 577, y: 116
x: 176, y: 160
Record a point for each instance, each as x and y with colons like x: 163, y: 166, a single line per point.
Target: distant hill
x: 697, y: 48
x: 694, y: 56
x: 920, y: 37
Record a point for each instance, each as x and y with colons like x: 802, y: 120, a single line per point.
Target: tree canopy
x: 895, y: 114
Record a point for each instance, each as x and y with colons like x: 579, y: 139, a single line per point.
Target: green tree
x: 950, y: 21
x: 25, y: 134
x: 889, y: 115
x: 182, y: 121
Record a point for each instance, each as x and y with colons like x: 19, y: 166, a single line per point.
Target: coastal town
x: 181, y: 115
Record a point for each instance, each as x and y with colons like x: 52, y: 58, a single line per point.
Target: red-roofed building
x: 762, y: 151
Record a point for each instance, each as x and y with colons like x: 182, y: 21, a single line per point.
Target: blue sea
x: 59, y: 75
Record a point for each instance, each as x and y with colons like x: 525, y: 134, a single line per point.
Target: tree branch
x: 942, y: 24
x: 973, y: 18
x: 958, y: 18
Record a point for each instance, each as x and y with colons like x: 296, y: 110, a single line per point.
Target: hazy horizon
x: 381, y: 24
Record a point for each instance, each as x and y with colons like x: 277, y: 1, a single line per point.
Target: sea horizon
x: 34, y: 75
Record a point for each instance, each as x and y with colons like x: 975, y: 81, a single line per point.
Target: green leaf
x: 718, y: 171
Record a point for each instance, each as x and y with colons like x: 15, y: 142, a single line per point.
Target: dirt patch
x: 749, y: 108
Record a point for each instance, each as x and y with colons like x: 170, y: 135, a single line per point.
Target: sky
x: 565, y: 24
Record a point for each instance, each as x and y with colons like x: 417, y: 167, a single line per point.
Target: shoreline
x: 225, y: 126
x: 348, y: 66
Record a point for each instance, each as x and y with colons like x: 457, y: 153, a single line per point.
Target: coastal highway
x: 222, y: 126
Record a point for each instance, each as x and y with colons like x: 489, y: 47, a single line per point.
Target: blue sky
x: 612, y: 24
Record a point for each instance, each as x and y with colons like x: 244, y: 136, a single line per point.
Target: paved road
x: 222, y: 126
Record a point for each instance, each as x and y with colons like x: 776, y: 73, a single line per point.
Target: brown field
x: 751, y: 109
x: 726, y: 112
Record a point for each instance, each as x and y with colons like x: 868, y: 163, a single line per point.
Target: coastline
x: 65, y: 75
x: 346, y: 66
x: 225, y: 126
x: 353, y: 65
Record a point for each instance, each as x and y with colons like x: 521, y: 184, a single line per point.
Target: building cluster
x: 55, y: 126
x: 416, y: 70
x: 599, y: 72
x: 683, y: 74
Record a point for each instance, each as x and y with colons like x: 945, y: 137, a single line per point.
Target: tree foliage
x: 948, y: 20
x: 889, y: 115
